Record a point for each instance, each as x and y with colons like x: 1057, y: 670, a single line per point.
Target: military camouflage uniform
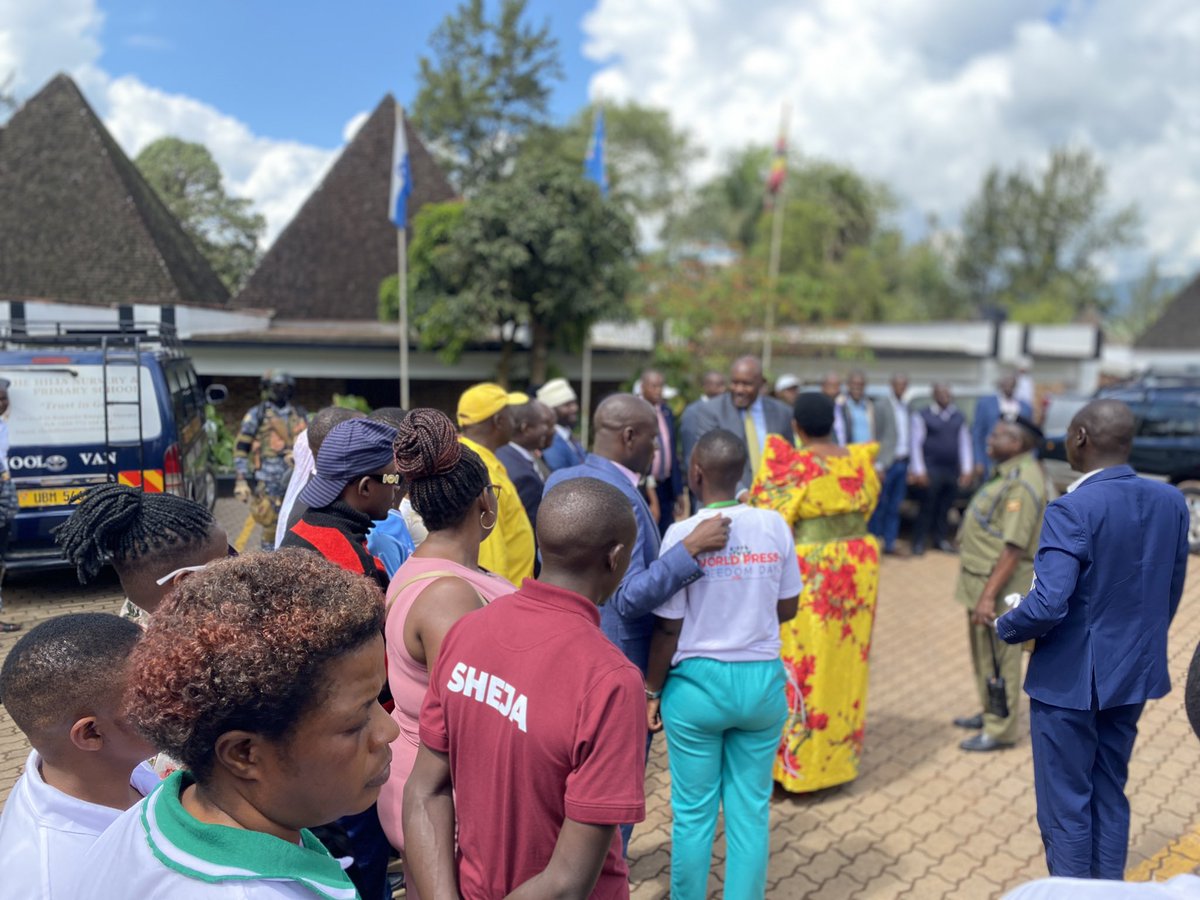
x: 1008, y: 509
x: 265, y: 443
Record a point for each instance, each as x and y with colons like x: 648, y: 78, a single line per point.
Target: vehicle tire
x: 1191, y: 493
x: 209, y: 491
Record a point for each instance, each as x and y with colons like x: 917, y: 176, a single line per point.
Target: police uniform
x: 265, y: 442
x: 1008, y: 509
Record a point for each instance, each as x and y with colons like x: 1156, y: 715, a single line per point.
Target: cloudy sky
x: 924, y: 94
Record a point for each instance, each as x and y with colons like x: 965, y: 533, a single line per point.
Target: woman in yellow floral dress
x: 827, y: 493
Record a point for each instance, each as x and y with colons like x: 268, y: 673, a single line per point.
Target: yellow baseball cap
x: 482, y: 401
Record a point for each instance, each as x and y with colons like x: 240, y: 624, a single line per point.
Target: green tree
x: 188, y: 180
x: 1149, y: 297
x: 1032, y: 243
x: 428, y: 277
x: 728, y: 207
x: 646, y: 156
x: 488, y: 83
x: 540, y: 250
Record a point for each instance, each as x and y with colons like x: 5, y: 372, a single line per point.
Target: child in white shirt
x: 62, y: 683
x: 723, y: 703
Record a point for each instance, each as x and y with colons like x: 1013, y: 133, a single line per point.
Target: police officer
x: 265, y: 442
x: 998, y: 540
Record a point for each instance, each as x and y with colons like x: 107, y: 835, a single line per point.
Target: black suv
x: 1166, y: 441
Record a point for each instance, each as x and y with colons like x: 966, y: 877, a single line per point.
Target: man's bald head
x: 626, y: 431
x: 1100, y: 435
x: 586, y: 530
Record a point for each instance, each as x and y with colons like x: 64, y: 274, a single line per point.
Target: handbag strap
x: 393, y: 593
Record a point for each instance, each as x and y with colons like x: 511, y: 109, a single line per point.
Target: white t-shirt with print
x: 44, y: 832
x: 730, y: 613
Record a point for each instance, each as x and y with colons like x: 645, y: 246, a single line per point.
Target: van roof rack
x: 127, y: 334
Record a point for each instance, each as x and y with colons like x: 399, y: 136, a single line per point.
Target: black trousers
x: 665, y: 492
x: 935, y: 507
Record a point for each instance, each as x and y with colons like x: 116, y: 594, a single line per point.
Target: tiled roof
x: 329, y: 261
x: 78, y: 223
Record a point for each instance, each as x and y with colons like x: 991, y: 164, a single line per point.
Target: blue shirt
x: 860, y: 420
x: 390, y: 541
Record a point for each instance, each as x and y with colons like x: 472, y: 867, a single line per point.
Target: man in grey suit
x: 893, y: 427
x: 745, y: 412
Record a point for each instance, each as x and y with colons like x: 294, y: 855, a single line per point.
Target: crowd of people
x: 467, y: 633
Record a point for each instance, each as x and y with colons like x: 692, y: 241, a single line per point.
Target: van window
x: 1167, y: 420
x: 64, y: 405
x: 182, y: 397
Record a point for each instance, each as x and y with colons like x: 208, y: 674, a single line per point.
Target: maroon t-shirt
x: 543, y: 718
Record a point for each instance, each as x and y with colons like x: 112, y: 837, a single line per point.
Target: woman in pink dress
x: 436, y: 586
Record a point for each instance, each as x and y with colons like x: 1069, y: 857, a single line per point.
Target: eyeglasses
x: 495, y: 489
x: 388, y: 478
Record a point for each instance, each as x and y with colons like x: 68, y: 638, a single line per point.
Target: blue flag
x: 401, y: 175
x: 593, y: 163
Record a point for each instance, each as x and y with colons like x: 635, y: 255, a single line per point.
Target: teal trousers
x: 723, y: 722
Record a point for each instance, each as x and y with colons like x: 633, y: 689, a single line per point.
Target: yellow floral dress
x: 827, y: 500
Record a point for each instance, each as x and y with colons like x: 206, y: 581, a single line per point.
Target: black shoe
x: 971, y: 723
x: 918, y: 549
x: 889, y: 551
x: 982, y: 743
x: 9, y: 627
x: 946, y: 547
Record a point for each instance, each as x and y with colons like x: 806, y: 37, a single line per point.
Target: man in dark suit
x: 745, y: 412
x: 1003, y: 404
x: 1108, y: 576
x: 665, y: 469
x: 522, y: 454
x: 623, y: 449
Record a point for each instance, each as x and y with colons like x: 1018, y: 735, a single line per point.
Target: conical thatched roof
x: 1178, y: 328
x: 78, y: 223
x: 329, y: 261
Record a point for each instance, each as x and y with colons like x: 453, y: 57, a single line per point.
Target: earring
x: 488, y: 526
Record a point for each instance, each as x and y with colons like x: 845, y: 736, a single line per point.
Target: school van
x: 90, y: 406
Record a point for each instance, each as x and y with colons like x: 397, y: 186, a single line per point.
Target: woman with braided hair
x: 436, y: 586
x: 151, y: 540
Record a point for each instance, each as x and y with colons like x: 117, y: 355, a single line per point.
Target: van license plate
x: 48, y: 497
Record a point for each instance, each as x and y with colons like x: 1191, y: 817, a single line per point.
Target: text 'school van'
x: 94, y: 404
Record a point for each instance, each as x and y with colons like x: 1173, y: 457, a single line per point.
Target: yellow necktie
x: 752, y: 444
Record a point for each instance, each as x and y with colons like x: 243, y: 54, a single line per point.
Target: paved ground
x: 924, y: 820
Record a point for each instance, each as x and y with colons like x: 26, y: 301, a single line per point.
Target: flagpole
x: 773, y: 262
x: 402, y: 286
x: 585, y: 376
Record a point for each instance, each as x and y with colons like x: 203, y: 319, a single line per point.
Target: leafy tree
x: 431, y: 233
x: 188, y: 180
x: 487, y: 85
x: 728, y: 207
x: 540, y: 250
x: 646, y: 156
x: 1032, y: 243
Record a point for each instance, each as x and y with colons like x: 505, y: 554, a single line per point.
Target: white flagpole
x: 773, y: 263
x: 402, y: 252
x: 585, y: 406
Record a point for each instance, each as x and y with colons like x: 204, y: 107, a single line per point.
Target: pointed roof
x: 78, y: 223
x: 1178, y: 327
x: 329, y: 261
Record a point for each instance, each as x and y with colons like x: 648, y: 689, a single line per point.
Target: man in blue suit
x: 1108, y: 576
x: 565, y: 450
x: 626, y: 430
x: 988, y: 411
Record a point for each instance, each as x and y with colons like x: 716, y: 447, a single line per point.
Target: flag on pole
x: 778, y: 169
x: 401, y: 174
x: 593, y: 163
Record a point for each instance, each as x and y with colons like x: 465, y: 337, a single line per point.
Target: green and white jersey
x: 159, y: 850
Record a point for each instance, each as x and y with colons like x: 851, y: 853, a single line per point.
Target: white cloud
x: 38, y: 40
x: 927, y: 94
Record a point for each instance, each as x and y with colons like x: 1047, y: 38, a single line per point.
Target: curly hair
x: 445, y: 476
x: 123, y: 525
x: 244, y: 644
x: 65, y: 669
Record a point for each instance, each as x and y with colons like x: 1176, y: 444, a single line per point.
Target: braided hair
x: 446, y: 477
x: 122, y: 525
